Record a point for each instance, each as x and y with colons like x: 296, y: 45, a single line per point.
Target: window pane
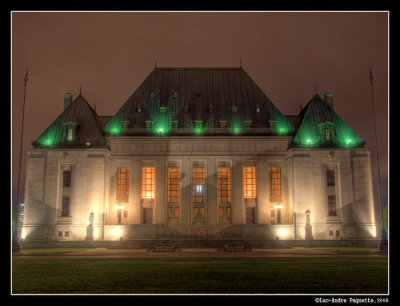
x: 148, y: 183
x: 65, y: 206
x: 330, y: 177
x: 199, y: 185
x: 122, y: 185
x: 274, y: 184
x: 332, y: 205
x: 174, y: 185
x: 66, y: 178
x: 249, y: 183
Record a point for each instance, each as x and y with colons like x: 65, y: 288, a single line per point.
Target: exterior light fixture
x: 119, y: 207
x: 278, y: 206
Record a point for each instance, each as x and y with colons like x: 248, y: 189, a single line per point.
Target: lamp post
x: 16, y: 248
x: 383, y: 244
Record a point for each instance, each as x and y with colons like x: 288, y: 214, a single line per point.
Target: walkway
x: 195, y: 253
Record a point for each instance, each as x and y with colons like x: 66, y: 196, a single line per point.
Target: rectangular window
x: 228, y: 212
x: 224, y: 185
x: 176, y: 212
x: 169, y: 212
x: 249, y: 183
x: 274, y: 175
x: 66, y: 178
x: 330, y: 177
x: 123, y: 185
x: 221, y: 212
x: 66, y: 234
x: 199, y: 185
x: 332, y: 205
x: 65, y: 206
x: 148, y: 182
x: 174, y: 185
x: 196, y: 212
x: 327, y: 134
x: 69, y: 133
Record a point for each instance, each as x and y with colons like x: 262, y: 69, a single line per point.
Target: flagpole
x: 15, y: 239
x: 383, y: 244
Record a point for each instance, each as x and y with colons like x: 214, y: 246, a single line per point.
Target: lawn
x: 51, y: 251
x: 200, y: 275
x: 347, y: 250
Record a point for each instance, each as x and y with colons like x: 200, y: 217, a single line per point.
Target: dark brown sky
x: 287, y: 54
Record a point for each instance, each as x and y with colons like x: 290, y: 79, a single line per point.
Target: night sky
x: 288, y: 54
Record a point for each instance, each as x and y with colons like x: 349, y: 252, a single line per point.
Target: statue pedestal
x: 89, y: 232
x: 309, y: 232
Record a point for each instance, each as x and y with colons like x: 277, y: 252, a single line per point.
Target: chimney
x: 329, y: 99
x: 67, y: 100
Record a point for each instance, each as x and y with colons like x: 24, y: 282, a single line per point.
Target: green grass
x: 200, y: 275
x: 347, y: 250
x: 51, y: 251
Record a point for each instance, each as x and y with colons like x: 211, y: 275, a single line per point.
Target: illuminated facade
x: 198, y: 150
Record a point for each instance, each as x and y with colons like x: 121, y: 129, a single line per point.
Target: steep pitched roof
x: 318, y: 117
x: 205, y: 95
x: 84, y: 118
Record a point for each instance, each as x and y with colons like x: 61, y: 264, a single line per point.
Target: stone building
x: 198, y: 150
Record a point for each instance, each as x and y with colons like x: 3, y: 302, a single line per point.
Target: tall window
x: 66, y: 194
x: 123, y: 185
x: 249, y: 183
x: 332, y: 205
x: 274, y: 174
x: 331, y: 191
x: 174, y: 185
x: 199, y: 185
x: 148, y: 182
x: 224, y: 185
x: 330, y: 177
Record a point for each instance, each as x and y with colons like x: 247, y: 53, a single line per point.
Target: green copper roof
x: 83, y: 119
x: 190, y: 95
x: 320, y: 126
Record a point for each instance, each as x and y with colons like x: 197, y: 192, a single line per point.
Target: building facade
x: 198, y: 150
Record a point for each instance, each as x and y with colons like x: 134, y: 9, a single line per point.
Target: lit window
x: 198, y: 185
x: 271, y: 124
x: 199, y: 212
x: 148, y: 183
x: 65, y: 206
x: 332, y: 205
x: 274, y: 174
x: 327, y: 134
x: 69, y: 133
x: 174, y: 185
x: 123, y: 185
x: 249, y: 183
x: 223, y: 123
x: 224, y: 185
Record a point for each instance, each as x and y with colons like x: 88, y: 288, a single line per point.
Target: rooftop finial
x: 316, y: 89
x: 80, y: 89
x: 241, y: 63
x: 155, y: 63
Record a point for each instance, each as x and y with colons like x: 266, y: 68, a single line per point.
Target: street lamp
x: 383, y: 244
x: 16, y: 248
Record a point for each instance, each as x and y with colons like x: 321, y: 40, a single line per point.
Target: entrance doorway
x: 250, y: 215
x: 147, y: 215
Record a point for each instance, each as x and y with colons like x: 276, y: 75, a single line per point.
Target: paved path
x: 195, y: 253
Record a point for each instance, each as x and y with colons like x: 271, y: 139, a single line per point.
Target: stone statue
x: 308, y: 228
x: 91, y: 218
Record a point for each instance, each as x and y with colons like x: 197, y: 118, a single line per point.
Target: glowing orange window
x: 249, y: 183
x: 148, y: 182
